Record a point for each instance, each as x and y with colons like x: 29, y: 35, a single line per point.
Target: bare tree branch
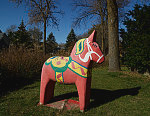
x: 42, y: 11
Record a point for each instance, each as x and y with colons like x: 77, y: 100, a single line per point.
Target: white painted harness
x: 88, y: 54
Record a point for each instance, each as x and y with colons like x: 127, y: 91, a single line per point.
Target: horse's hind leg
x: 46, y: 89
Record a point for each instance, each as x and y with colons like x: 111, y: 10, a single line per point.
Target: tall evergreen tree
x: 71, y: 40
x: 51, y: 38
x: 36, y: 36
x: 51, y: 43
x: 136, y: 39
x: 22, y: 37
x: 11, y: 33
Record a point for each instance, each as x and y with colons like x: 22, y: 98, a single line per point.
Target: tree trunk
x: 113, y: 37
x: 102, y: 27
x: 44, y: 41
x: 102, y: 22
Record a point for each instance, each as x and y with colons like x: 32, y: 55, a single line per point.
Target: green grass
x: 112, y: 94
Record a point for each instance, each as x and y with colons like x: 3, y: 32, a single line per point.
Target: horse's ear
x: 92, y: 37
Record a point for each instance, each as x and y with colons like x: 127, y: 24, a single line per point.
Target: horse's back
x: 56, y: 68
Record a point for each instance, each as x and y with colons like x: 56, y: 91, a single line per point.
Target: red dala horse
x: 71, y: 70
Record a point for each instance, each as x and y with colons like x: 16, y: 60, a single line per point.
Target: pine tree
x: 22, y: 37
x: 51, y: 38
x: 36, y: 36
x: 136, y: 39
x: 71, y: 40
x: 51, y: 43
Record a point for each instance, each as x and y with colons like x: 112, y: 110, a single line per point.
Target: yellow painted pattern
x: 80, y: 46
x: 49, y: 60
x: 78, y: 69
x: 59, y: 76
x: 60, y: 61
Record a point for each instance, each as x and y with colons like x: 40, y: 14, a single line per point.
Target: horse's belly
x: 69, y: 77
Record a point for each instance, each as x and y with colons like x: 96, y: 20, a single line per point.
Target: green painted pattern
x: 62, y: 69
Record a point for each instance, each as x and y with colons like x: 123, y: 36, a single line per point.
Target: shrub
x: 25, y: 63
x: 22, y: 63
x: 20, y: 67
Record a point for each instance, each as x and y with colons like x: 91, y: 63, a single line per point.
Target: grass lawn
x: 112, y: 94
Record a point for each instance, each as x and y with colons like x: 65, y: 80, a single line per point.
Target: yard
x: 112, y: 94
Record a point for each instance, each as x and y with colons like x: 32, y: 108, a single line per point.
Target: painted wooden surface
x: 75, y: 69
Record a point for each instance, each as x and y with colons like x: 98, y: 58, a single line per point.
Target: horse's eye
x: 94, y: 45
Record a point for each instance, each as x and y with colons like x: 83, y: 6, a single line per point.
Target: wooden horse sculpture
x: 71, y: 70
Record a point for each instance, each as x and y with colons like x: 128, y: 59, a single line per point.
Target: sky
x: 10, y: 14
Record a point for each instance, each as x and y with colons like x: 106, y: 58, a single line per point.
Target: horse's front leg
x: 46, y: 89
x: 83, y: 87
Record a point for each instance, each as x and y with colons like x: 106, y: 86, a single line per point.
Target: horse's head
x: 96, y: 54
x: 87, y: 49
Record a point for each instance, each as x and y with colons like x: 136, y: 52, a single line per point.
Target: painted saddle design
x: 60, y: 65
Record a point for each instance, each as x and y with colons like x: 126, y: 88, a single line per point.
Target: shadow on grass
x: 101, y: 96
x: 9, y: 82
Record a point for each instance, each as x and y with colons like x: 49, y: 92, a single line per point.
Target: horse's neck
x: 76, y: 58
